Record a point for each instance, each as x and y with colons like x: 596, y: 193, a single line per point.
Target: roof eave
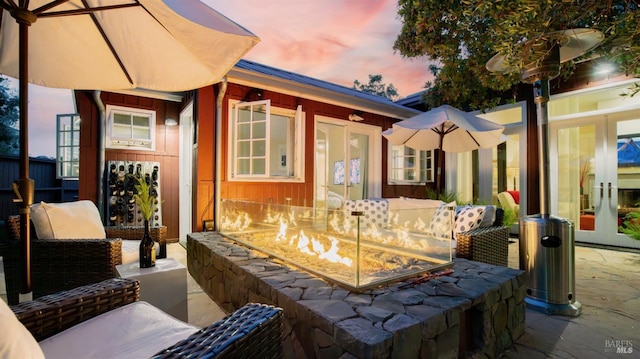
x: 293, y: 88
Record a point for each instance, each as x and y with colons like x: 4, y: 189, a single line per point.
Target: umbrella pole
x: 24, y: 186
x: 440, y: 175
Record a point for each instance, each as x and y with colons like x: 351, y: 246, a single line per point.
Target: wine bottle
x: 162, y: 251
x: 147, y: 249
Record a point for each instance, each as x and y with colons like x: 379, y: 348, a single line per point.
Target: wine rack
x: 122, y: 209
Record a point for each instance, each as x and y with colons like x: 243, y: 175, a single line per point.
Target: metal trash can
x: 547, y: 255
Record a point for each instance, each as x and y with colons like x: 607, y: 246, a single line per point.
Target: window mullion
x: 267, y: 144
x: 261, y: 137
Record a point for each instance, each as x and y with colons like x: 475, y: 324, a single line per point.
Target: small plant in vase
x: 146, y: 203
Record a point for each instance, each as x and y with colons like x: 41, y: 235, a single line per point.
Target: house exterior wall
x: 168, y: 147
x: 166, y: 151
x: 300, y: 193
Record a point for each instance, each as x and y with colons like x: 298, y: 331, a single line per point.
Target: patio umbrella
x: 447, y: 129
x: 164, y: 45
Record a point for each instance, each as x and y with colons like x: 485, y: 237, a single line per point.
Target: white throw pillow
x: 68, y: 220
x: 440, y: 224
x: 468, y: 218
x: 16, y: 341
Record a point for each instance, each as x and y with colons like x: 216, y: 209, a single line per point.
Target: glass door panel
x: 506, y: 166
x: 344, y: 167
x: 624, y: 195
x: 576, y: 187
x: 357, y: 160
x: 329, y: 166
x: 596, y: 176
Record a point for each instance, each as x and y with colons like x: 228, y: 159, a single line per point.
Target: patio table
x: 164, y: 286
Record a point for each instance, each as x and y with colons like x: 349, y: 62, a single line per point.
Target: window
x: 130, y: 128
x: 68, y: 146
x: 407, y: 166
x: 267, y: 142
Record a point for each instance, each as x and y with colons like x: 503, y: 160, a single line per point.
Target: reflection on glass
x: 576, y: 154
x: 628, y: 155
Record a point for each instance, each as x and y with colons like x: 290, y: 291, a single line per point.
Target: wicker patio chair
x: 54, y: 313
x: 253, y: 331
x: 57, y: 264
x: 486, y: 244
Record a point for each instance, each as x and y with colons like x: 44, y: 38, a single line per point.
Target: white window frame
x: 295, y: 153
x: 424, y: 171
x: 68, y: 146
x: 131, y: 142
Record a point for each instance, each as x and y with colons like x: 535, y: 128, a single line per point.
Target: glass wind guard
x: 355, y: 249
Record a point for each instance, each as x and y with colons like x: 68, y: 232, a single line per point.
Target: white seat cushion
x: 137, y: 330
x: 16, y: 341
x: 130, y: 251
x: 68, y: 220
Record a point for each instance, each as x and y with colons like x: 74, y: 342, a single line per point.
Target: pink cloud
x: 338, y: 41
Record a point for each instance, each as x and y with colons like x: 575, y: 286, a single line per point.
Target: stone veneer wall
x: 478, y: 310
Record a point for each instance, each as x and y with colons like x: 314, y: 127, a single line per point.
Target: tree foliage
x: 377, y: 87
x: 9, y: 117
x: 461, y: 36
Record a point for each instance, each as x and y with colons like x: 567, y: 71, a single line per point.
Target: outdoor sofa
x: 487, y: 241
x: 107, y: 319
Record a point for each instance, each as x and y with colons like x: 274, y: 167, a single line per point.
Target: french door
x: 595, y: 175
x: 347, y: 162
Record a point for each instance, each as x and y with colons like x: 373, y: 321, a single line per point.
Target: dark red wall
x: 166, y: 152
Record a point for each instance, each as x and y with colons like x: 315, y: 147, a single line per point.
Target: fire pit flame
x: 318, y: 249
x: 338, y: 245
x: 242, y: 221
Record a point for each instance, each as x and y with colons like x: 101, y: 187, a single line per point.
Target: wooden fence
x: 48, y: 188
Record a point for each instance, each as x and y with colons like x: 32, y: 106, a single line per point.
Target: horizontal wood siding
x: 204, y: 157
x: 89, y: 145
x: 166, y: 152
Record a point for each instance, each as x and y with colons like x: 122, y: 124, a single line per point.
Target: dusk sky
x: 333, y: 40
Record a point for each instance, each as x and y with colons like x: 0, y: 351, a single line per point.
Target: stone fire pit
x: 477, y: 309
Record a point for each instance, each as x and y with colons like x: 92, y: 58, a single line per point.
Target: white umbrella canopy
x: 163, y: 45
x: 460, y: 131
x: 447, y: 129
x: 170, y: 45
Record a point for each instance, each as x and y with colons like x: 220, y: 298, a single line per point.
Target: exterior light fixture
x: 355, y: 117
x: 170, y: 122
x: 604, y: 68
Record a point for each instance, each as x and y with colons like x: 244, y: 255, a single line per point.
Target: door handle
x: 601, y: 189
x: 609, y: 189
